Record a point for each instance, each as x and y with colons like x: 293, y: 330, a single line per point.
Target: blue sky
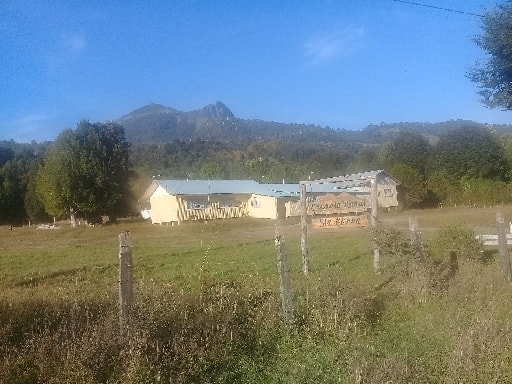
x: 344, y: 64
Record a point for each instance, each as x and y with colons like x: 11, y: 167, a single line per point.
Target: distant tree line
x: 92, y: 170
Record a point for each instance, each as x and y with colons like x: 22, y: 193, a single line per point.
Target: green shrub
x: 456, y: 238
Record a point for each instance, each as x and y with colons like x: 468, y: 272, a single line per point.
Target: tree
x: 413, y: 186
x: 409, y: 148
x: 445, y: 188
x: 34, y: 207
x: 85, y: 171
x: 495, y: 76
x: 212, y: 171
x: 473, y: 152
x: 11, y: 193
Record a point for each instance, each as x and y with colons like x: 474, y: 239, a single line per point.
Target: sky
x: 345, y: 64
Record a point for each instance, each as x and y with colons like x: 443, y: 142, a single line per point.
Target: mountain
x: 156, y: 123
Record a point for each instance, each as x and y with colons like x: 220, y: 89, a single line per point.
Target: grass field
x: 207, y: 307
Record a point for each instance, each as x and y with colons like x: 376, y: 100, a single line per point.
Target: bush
x: 456, y: 238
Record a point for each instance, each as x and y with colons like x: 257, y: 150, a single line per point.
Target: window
x: 255, y: 202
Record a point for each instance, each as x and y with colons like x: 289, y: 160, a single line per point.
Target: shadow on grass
x: 488, y: 256
x: 35, y: 280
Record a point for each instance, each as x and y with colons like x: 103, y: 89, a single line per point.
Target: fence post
x: 125, y: 277
x: 374, y: 202
x: 304, y: 227
x: 503, y: 247
x: 284, y: 280
x: 416, y: 242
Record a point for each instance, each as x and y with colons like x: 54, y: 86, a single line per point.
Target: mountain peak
x: 218, y: 110
x: 150, y: 109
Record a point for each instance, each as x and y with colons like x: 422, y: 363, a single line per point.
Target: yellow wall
x: 163, y: 209
x: 262, y: 207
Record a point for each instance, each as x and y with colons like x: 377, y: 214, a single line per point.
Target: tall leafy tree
x: 413, y: 186
x: 34, y: 207
x: 445, y: 188
x: 85, y: 171
x: 408, y: 148
x: 11, y: 192
x: 472, y: 152
x: 495, y: 75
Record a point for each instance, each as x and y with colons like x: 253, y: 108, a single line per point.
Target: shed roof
x: 353, y: 180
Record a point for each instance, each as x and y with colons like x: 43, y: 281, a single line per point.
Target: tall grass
x: 207, y: 307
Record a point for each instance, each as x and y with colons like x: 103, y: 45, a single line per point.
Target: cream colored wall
x: 164, y: 208
x: 265, y: 209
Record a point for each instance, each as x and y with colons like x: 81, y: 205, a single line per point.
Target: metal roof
x: 293, y: 190
x: 355, y: 179
x: 205, y: 187
x: 355, y: 183
x: 279, y: 190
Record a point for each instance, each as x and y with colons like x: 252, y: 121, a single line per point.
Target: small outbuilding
x: 270, y: 200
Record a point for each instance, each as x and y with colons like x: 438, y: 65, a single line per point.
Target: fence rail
x: 488, y: 240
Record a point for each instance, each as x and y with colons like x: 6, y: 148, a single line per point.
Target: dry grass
x: 207, y: 305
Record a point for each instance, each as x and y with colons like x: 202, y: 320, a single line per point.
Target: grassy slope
x: 207, y: 307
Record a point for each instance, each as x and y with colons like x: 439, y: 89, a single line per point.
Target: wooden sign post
x: 339, y: 210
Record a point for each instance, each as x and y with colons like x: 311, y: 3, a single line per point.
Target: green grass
x: 207, y: 305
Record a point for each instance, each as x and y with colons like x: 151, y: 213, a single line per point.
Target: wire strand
x: 440, y: 8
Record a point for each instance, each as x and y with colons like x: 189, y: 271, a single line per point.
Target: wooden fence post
x: 284, y: 280
x: 417, y: 244
x: 503, y: 247
x: 373, y: 220
x: 304, y: 227
x: 125, y: 277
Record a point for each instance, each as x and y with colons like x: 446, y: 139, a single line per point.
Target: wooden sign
x: 340, y: 222
x: 335, y: 204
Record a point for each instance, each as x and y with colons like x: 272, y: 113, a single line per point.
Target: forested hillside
x: 155, y: 124
x: 453, y: 162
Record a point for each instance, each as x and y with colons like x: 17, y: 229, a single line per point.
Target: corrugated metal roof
x: 293, y: 190
x: 352, y: 179
x: 205, y: 187
x: 355, y: 183
x: 279, y: 190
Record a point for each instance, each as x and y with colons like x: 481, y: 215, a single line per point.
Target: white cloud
x: 29, y: 127
x: 333, y: 44
x: 75, y: 42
